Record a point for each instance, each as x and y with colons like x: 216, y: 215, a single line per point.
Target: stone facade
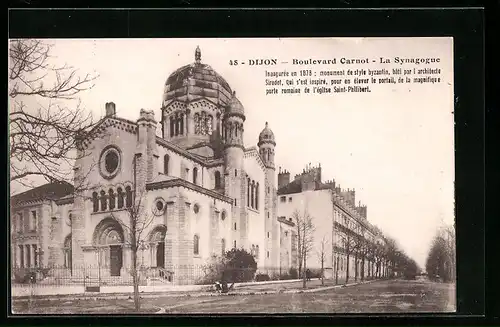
x: 197, y: 189
x: 335, y: 216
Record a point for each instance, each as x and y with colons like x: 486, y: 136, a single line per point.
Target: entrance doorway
x: 115, y: 258
x: 160, y: 255
x: 108, y: 234
x: 157, y: 246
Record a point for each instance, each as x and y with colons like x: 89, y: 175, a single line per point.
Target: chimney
x: 283, y: 178
x: 110, y: 109
x: 308, y: 182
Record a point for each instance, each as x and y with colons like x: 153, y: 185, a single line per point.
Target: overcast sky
x: 394, y: 146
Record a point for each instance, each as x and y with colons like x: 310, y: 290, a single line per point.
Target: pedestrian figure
x: 308, y: 274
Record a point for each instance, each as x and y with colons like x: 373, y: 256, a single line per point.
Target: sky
x: 394, y: 145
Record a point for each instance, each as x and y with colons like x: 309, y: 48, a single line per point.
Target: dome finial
x: 197, y: 54
x: 266, y: 124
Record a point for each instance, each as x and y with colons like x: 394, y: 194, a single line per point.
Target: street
x: 376, y: 297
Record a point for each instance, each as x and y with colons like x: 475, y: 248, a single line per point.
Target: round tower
x: 234, y: 179
x: 266, y: 145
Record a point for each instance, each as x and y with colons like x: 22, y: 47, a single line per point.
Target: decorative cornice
x: 177, y: 182
x: 67, y: 200
x: 252, y: 152
x: 120, y: 123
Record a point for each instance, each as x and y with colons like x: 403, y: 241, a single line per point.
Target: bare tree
x: 372, y: 258
x: 322, y: 257
x: 138, y: 221
x: 362, y: 248
x: 45, y: 116
x: 391, y: 253
x: 305, y: 239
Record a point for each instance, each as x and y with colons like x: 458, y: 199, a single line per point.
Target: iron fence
x: 150, y: 276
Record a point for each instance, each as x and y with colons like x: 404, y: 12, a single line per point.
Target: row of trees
x: 47, y: 122
x: 440, y: 264
x: 383, y: 252
x: 354, y: 244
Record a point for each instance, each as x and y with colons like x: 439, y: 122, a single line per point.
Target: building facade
x: 197, y: 191
x: 201, y: 191
x: 343, y: 239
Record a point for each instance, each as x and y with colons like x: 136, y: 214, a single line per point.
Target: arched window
x: 197, y: 127
x: 209, y: 125
x: 203, y: 123
x: 120, y: 197
x: 181, y: 121
x: 234, y: 226
x: 128, y: 191
x: 195, y: 175
x: 166, y: 159
x: 223, y: 246
x: 217, y: 179
x: 196, y: 245
x: 248, y: 192
x: 252, y: 199
x: 177, y: 124
x: 172, y: 127
x: 111, y: 199
x: 95, y: 201
x: 234, y: 244
x: 103, y: 201
x: 257, y: 196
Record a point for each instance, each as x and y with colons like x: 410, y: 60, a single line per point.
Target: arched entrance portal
x: 108, y: 237
x: 157, y: 246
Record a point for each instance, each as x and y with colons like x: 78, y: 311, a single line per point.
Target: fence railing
x: 170, y: 275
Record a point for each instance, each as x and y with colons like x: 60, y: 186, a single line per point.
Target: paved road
x: 376, y: 297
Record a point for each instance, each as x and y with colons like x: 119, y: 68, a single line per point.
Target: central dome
x: 194, y: 81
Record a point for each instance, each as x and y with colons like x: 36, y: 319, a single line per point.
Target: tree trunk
x: 304, y: 277
x: 135, y: 279
x: 356, y: 267
x: 300, y: 267
x: 347, y: 270
x: 322, y: 272
x: 362, y: 268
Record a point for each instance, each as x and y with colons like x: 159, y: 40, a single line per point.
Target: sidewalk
x: 79, y: 290
x: 251, y: 288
